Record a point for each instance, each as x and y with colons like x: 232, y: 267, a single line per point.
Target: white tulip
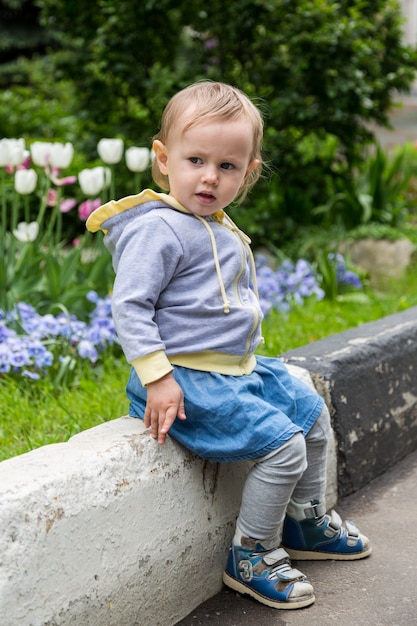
x: 4, y: 152
x: 26, y: 232
x: 25, y: 181
x: 61, y: 155
x: 41, y: 153
x: 12, y: 152
x: 110, y: 150
x: 93, y: 180
x: 137, y: 159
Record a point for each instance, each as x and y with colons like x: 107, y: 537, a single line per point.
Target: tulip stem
x: 26, y: 205
x: 15, y: 211
x: 58, y: 217
x: 3, y: 200
x: 112, y: 183
x: 137, y: 182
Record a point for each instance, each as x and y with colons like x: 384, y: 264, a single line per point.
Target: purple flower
x: 5, y: 332
x: 92, y: 296
x: 287, y: 285
x: 343, y: 275
x: 45, y: 359
x: 19, y: 358
x: 5, y: 354
x: 86, y: 350
x: 30, y: 343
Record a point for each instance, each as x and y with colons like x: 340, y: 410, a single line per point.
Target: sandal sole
x: 297, y: 603
x: 310, y: 555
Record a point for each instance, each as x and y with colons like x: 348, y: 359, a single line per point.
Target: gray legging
x: 297, y: 469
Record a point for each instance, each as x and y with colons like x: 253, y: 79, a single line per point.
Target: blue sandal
x: 267, y: 576
x: 311, y: 534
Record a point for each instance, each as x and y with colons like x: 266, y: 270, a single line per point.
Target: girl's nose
x: 209, y: 175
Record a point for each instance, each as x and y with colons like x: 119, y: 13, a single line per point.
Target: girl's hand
x: 165, y: 402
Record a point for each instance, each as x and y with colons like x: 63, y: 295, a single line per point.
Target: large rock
x: 380, y: 257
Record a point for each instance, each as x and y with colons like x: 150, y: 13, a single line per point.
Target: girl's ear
x: 252, y: 166
x: 161, y: 156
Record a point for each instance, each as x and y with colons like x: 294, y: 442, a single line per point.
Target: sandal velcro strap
x: 352, y: 534
x: 273, y: 557
x: 334, y: 524
x: 317, y: 509
x: 283, y: 569
x: 290, y: 575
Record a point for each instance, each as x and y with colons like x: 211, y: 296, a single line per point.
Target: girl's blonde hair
x: 212, y: 101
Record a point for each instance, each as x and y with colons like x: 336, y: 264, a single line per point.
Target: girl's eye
x: 195, y: 160
x: 227, y: 166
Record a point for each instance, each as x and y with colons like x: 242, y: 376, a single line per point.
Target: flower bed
x: 30, y: 343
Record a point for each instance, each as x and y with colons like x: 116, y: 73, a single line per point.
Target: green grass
x: 35, y: 414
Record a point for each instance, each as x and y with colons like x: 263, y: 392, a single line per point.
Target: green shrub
x: 320, y: 71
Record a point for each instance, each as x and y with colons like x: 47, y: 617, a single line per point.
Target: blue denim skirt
x: 232, y: 418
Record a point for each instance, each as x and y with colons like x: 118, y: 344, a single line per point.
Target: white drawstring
x: 226, y: 303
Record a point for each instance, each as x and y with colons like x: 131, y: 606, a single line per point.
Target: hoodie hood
x: 113, y: 217
x: 97, y: 219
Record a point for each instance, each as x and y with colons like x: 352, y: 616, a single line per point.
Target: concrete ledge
x: 109, y: 529
x: 368, y: 376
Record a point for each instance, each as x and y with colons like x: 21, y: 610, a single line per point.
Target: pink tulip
x: 87, y: 207
x: 67, y: 205
x: 51, y: 198
x: 61, y: 182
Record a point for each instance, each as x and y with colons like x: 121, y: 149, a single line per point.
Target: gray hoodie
x: 182, y: 293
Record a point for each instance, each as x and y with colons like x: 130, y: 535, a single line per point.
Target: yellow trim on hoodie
x: 152, y: 367
x: 210, y: 361
x: 114, y: 207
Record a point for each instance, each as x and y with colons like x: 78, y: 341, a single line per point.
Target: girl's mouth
x: 205, y: 197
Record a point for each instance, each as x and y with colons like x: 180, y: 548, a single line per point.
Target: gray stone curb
x: 368, y: 376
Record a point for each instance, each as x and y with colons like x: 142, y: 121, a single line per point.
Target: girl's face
x: 206, y: 164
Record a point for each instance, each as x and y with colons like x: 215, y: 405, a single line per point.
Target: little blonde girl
x: 189, y: 321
